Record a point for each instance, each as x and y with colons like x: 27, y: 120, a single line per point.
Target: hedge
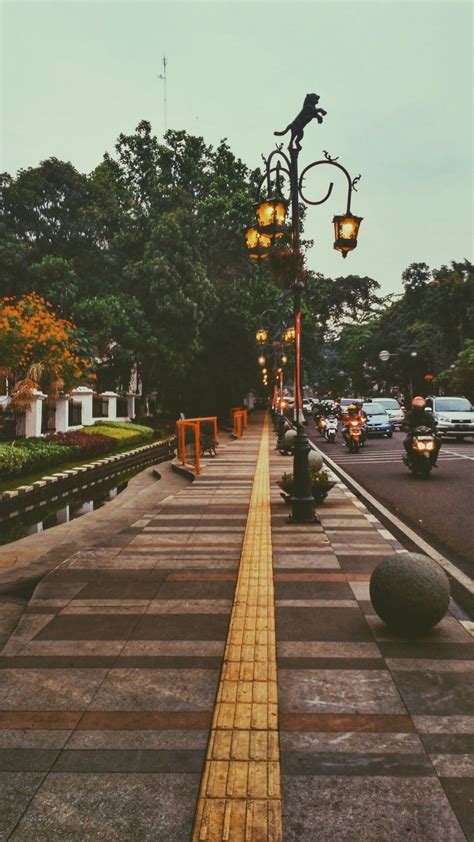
x: 88, y: 444
x: 28, y: 456
x: 124, y: 434
x: 127, y: 425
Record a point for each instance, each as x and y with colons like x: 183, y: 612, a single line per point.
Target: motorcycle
x: 320, y: 422
x: 423, y: 452
x: 330, y: 430
x: 353, y: 436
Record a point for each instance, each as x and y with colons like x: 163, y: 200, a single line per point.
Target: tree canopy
x: 146, y: 256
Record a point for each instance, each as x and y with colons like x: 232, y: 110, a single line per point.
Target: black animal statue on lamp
x: 307, y: 113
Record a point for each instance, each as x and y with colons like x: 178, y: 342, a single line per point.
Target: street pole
x: 281, y: 421
x: 263, y: 237
x: 302, y: 502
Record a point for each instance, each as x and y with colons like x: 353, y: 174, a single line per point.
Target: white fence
x: 80, y: 408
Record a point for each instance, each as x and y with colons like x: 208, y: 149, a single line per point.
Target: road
x: 440, y: 510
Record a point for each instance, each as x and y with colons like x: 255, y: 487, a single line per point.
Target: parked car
x: 378, y: 421
x: 453, y: 415
x: 394, y: 411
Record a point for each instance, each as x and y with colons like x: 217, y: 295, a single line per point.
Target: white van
x: 453, y: 415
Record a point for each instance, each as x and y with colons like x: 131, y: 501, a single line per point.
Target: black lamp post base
x: 281, y: 432
x: 303, y: 511
x: 302, y: 502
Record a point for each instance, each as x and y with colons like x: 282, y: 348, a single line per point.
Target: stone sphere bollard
x: 290, y: 436
x: 315, y: 460
x: 410, y: 593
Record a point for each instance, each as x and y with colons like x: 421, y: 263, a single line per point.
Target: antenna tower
x: 165, y: 100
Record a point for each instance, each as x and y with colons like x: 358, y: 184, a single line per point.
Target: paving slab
x: 118, y: 659
x: 376, y: 742
x: 212, y: 672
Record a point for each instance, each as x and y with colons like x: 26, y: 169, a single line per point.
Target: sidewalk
x: 132, y: 709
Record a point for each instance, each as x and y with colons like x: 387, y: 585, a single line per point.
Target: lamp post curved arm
x: 329, y: 162
x: 277, y: 168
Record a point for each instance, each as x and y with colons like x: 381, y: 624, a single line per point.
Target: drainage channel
x: 68, y: 507
x: 76, y: 495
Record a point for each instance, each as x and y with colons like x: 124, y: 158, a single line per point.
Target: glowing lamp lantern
x: 261, y: 360
x: 428, y: 377
x: 258, y: 244
x: 346, y: 229
x: 289, y: 335
x: 261, y: 335
x: 284, y: 359
x: 271, y: 217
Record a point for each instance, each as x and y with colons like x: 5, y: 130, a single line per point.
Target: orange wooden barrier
x: 239, y: 423
x: 244, y: 412
x: 188, y: 433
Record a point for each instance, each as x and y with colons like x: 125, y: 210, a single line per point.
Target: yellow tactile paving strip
x: 240, y: 798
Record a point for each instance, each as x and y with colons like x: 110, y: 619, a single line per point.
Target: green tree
x: 459, y: 377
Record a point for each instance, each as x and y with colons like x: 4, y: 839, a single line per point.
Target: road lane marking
x: 460, y: 455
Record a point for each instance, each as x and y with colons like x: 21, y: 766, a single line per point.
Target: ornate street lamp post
x: 266, y: 240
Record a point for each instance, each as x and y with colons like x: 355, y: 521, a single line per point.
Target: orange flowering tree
x: 39, y: 350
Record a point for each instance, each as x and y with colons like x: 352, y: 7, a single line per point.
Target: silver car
x: 453, y: 415
x: 394, y: 411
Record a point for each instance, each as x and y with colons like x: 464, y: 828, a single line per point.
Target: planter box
x: 319, y: 491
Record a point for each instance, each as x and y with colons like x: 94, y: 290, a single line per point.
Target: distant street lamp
x: 288, y: 261
x: 274, y: 324
x: 384, y: 356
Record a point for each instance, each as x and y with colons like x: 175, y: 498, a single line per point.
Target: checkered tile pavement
x: 114, y: 682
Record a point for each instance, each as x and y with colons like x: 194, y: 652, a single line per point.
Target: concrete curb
x: 462, y: 585
x: 54, y: 485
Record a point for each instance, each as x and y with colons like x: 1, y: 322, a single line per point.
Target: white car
x: 453, y: 415
x: 307, y: 405
x: 394, y: 411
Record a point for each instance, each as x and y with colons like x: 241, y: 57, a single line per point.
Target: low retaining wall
x: 56, y: 485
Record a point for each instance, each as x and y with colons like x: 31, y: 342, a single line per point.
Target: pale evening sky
x: 394, y: 77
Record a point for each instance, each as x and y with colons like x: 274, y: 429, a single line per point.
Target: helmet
x: 352, y: 407
x: 418, y: 402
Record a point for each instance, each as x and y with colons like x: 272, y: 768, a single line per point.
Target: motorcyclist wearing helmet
x: 362, y: 414
x: 321, y: 414
x: 354, y: 412
x: 419, y: 417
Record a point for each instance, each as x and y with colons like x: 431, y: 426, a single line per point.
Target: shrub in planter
x: 123, y: 436
x: 34, y: 454
x: 43, y: 453
x: 146, y: 432
x: 89, y: 445
x: 12, y: 460
x: 320, y: 485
